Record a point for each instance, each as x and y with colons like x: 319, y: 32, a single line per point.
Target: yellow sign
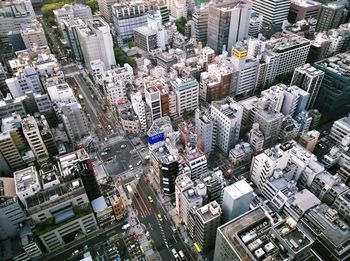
x: 239, y: 53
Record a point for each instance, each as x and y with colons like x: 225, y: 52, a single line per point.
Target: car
x: 99, y: 125
x: 139, y: 163
x: 123, y: 146
x: 136, y: 194
x: 142, y: 149
x: 130, y: 167
x: 182, y: 255
x: 159, y: 216
x: 109, y: 159
x: 174, y: 253
x: 103, y: 153
x: 150, y: 199
x: 106, y: 139
x: 107, y: 149
x: 109, y: 127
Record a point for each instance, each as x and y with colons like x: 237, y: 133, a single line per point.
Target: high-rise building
x: 247, y: 70
x: 228, y: 23
x: 256, y: 138
x: 207, y: 220
x: 153, y: 102
x: 270, y: 124
x: 334, y: 94
x: 13, y: 14
x: 145, y: 38
x: 196, y: 161
x: 32, y: 134
x: 309, y: 79
x: 273, y: 11
x: 70, y: 33
x: 182, y: 184
x: 12, y: 142
x: 206, y: 132
x: 33, y: 34
x: 127, y: 17
x: 200, y: 19
x: 244, y: 238
x: 227, y: 114
x: 187, y: 94
x: 74, y: 120
x: 164, y: 12
x: 167, y: 166
x: 70, y: 12
x: 23, y: 81
x: 138, y: 105
x: 11, y: 212
x: 340, y: 129
x: 96, y: 43
x: 330, y: 16
x: 105, y: 7
x: 303, y: 10
x: 236, y: 200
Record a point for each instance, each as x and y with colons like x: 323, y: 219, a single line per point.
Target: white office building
x: 105, y: 7
x: 340, y: 130
x: 236, y: 200
x: 69, y: 12
x: 23, y: 81
x: 74, y: 120
x: 187, y: 94
x: 247, y: 70
x: 227, y: 114
x: 273, y: 11
x: 206, y: 132
x: 114, y: 82
x: 139, y: 108
x: 96, y: 43
x: 27, y: 183
x: 13, y: 14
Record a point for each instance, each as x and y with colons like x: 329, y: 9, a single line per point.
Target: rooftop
x: 339, y: 64
x: 25, y: 178
x: 7, y: 187
x: 209, y: 212
x: 328, y: 225
x: 238, y: 189
x: 228, y: 107
x: 68, y: 161
x: 145, y: 30
x: 164, y: 156
x: 286, y: 43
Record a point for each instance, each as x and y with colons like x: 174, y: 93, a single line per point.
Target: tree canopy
x: 180, y: 24
x: 122, y: 58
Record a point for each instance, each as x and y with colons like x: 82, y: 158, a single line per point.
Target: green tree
x: 93, y: 5
x: 122, y: 58
x: 180, y: 24
x: 49, y: 6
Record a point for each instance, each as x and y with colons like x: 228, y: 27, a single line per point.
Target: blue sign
x: 156, y: 138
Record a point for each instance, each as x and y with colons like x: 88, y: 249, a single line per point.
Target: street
x: 161, y: 232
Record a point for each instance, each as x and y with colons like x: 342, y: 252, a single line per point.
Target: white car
x: 175, y: 254
x: 123, y: 146
x: 130, y: 167
x: 104, y: 153
x: 106, y: 138
x: 182, y: 255
x: 139, y: 163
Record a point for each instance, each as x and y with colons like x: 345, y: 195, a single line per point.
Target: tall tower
x: 309, y: 79
x: 228, y: 23
x: 274, y: 11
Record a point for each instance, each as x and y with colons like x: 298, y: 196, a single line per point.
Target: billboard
x: 156, y: 138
